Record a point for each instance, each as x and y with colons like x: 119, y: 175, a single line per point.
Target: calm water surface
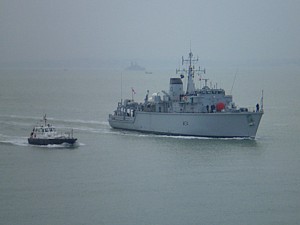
x: 117, y: 177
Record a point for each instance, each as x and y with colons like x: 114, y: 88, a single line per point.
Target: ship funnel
x: 176, y: 89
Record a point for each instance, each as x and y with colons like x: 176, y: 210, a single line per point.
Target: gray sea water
x: 121, y: 177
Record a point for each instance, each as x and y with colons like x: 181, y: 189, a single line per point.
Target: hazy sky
x: 41, y: 30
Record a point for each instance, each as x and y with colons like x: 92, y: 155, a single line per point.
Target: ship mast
x: 45, y: 120
x: 191, y: 72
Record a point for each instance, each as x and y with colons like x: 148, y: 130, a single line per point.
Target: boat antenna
x: 45, y: 120
x: 121, y: 87
x: 234, y: 80
x: 262, y: 100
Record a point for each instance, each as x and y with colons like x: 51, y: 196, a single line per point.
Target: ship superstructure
x: 206, y: 112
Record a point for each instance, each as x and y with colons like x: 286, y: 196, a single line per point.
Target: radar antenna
x: 190, y: 72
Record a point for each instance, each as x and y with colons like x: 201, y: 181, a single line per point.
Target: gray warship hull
x: 204, y: 111
x: 225, y: 125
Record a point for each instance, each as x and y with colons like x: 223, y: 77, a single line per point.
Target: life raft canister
x: 220, y: 106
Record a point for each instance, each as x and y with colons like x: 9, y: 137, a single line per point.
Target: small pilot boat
x: 46, y: 134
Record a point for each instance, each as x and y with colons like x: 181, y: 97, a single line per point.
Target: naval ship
x: 204, y: 112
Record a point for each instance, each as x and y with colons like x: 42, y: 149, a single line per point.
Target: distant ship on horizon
x: 135, y: 67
